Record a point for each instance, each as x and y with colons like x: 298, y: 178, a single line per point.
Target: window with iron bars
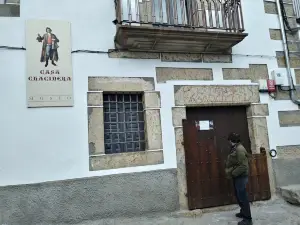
x: 123, y: 122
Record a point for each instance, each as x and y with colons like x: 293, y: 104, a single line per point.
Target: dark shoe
x: 239, y: 215
x: 46, y: 64
x: 245, y: 222
x: 53, y: 63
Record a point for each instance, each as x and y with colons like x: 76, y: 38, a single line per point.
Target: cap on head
x: 48, y: 28
x: 234, y: 137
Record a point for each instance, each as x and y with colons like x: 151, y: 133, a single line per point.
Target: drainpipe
x: 286, y: 55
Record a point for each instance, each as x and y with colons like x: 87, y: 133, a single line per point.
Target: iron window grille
x: 123, y: 123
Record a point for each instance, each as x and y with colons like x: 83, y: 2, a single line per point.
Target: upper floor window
x: 9, y: 8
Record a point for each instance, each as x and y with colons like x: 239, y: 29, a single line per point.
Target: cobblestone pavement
x: 269, y: 213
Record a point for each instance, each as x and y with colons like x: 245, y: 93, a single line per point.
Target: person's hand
x: 228, y: 172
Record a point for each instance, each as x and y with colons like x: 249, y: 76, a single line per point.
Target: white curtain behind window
x: 158, y: 11
x: 129, y: 9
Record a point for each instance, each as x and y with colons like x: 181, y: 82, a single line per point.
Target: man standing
x: 237, y: 168
x: 50, y: 46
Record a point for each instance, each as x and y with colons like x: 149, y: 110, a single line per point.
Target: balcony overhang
x: 175, y: 39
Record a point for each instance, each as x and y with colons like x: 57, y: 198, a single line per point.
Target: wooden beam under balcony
x: 175, y: 39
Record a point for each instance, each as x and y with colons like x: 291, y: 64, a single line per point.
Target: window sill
x: 122, y: 160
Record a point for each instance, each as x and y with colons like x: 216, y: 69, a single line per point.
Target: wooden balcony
x: 181, y: 26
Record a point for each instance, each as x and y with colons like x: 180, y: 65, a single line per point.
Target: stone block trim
x: 153, y: 132
x: 293, y: 46
x: 95, y: 99
x: 197, y: 58
x: 288, y: 151
x: 96, y: 130
x: 289, y: 118
x: 152, y: 100
x: 258, y: 132
x: 286, y: 171
x: 270, y: 8
x: 292, y: 21
x: 285, y: 95
x: 123, y: 160
x: 172, y: 57
x: 207, y: 95
x: 294, y: 60
x: 116, y: 84
x: 215, y: 95
x: 211, y: 58
x: 181, y: 168
x: 133, y: 55
x: 258, y: 110
x: 253, y: 73
x: 164, y: 74
x: 178, y: 114
x: 297, y: 76
x: 275, y: 34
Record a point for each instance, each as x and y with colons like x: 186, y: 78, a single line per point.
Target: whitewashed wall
x: 48, y: 144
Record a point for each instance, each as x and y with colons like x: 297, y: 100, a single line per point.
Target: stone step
x: 291, y: 194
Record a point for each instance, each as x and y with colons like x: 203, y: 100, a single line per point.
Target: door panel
x: 206, y: 149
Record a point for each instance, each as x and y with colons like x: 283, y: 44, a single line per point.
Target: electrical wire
x: 286, y: 22
x: 116, y: 50
x: 285, y: 19
x: 292, y: 90
x: 12, y: 48
x: 75, y: 51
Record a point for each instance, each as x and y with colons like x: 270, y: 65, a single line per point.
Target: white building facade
x: 89, y: 150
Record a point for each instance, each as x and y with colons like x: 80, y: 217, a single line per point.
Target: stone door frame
x: 219, y: 95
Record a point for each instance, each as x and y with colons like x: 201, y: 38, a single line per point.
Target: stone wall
x: 72, y: 201
x: 286, y: 166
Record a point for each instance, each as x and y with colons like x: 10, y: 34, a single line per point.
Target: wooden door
x: 206, y: 147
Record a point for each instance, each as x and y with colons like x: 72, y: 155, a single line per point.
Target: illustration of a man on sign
x: 49, y: 48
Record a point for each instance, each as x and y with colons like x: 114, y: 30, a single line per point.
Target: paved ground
x: 268, y: 213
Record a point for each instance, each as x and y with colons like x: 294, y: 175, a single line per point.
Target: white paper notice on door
x: 204, y: 125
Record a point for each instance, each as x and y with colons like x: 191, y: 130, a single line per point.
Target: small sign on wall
x: 204, y: 125
x: 49, y: 64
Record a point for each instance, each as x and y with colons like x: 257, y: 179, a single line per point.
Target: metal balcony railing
x: 221, y: 15
x: 296, y: 4
x: 16, y: 2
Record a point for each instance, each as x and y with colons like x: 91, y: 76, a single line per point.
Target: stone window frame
x: 219, y: 95
x: 153, y: 153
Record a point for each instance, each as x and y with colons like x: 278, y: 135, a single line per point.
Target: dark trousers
x: 242, y: 196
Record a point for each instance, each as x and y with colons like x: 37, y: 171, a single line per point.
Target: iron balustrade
x: 221, y: 15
